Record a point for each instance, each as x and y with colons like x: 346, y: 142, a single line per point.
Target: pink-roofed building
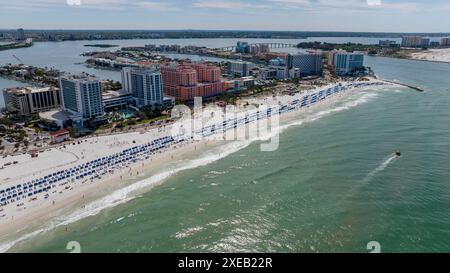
x: 187, y: 80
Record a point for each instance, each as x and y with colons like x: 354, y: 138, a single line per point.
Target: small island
x: 101, y: 45
x: 15, y: 45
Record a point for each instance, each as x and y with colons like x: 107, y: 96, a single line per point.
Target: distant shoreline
x: 16, y: 45
x: 101, y: 45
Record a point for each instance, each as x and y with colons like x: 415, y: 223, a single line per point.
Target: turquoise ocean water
x: 332, y: 186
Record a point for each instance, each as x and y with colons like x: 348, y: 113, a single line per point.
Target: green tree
x: 72, y: 131
x: 39, y: 72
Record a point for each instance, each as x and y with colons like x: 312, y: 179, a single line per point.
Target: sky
x: 292, y: 15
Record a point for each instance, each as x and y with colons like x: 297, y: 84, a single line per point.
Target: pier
x: 418, y: 89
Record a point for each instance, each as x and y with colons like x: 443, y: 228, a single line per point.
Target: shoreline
x: 441, y: 55
x: 45, y: 210
x: 16, y: 46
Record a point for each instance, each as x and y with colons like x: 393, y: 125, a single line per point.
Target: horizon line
x: 219, y: 30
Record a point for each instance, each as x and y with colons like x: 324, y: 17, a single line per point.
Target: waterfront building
x: 242, y: 47
x: 412, y: 41
x: 445, y: 42
x: 169, y: 101
x: 59, y: 136
x: 31, y: 100
x: 242, y: 69
x: 81, y: 96
x: 425, y: 42
x: 187, y: 80
x: 388, y: 43
x: 150, y: 47
x: 310, y: 63
x: 240, y: 84
x: 435, y: 44
x: 278, y: 62
x: 206, y: 72
x: 247, y: 81
x: 58, y: 117
x: 294, y: 73
x: 259, y: 49
x: 116, y: 100
x: 332, y: 56
x: 274, y: 73
x: 347, y: 63
x: 20, y: 35
x: 274, y: 55
x: 144, y: 84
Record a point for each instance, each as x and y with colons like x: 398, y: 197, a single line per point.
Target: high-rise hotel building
x: 240, y: 68
x: 20, y: 35
x: 81, y: 96
x: 188, y: 80
x: 144, y: 84
x: 31, y: 100
x: 310, y: 63
x: 445, y: 41
x: 413, y: 41
x: 346, y: 63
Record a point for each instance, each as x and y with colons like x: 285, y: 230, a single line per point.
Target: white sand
x: 17, y: 220
x: 72, y: 155
x: 434, y: 55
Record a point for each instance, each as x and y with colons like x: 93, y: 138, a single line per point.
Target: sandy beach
x: 80, y: 194
x: 434, y: 55
x: 62, y: 200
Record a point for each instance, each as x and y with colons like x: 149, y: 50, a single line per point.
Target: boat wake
x: 383, y: 165
x: 386, y: 162
x: 131, y: 192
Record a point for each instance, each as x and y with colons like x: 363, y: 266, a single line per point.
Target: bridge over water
x: 271, y: 45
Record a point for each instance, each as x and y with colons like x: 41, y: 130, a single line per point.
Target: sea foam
x: 131, y: 192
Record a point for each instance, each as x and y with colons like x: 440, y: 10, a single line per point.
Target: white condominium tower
x: 144, y: 84
x: 81, y: 95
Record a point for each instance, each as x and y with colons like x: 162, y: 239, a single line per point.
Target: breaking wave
x: 130, y: 192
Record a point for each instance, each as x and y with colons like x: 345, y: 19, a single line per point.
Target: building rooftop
x: 28, y: 90
x: 55, y: 115
x: 239, y: 62
x: 146, y: 69
x: 111, y: 94
x: 59, y: 133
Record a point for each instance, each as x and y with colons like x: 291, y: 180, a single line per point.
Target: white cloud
x: 104, y: 4
x: 295, y: 2
x: 231, y: 5
x: 374, y: 2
